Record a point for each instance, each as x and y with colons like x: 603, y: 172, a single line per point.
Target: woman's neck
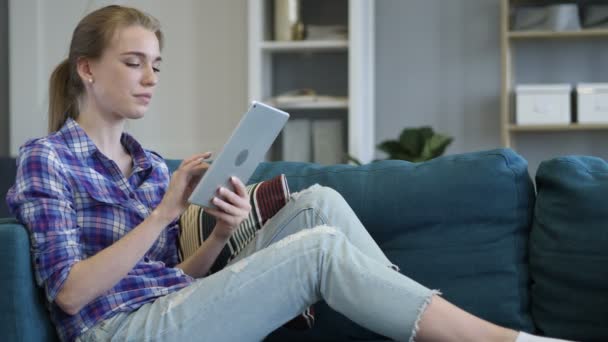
x: 104, y: 132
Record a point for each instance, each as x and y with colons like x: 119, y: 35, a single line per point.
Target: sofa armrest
x: 24, y: 316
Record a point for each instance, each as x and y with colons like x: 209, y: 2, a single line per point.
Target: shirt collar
x: 141, y: 160
x: 83, y: 147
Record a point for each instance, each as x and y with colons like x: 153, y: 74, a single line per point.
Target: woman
x: 102, y: 215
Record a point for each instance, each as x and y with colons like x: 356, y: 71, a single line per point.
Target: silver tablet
x: 245, y: 149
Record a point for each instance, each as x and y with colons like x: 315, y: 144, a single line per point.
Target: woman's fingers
x: 233, y: 209
x: 194, y: 168
x: 239, y: 187
x: 196, y: 157
x: 222, y: 216
x: 233, y: 198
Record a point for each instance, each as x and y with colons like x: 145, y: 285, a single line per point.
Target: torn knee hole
x: 318, y: 230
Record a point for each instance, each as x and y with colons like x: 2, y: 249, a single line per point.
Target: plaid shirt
x: 76, y: 202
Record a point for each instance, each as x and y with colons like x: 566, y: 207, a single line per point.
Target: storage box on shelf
x: 592, y: 102
x: 558, y: 17
x: 538, y: 104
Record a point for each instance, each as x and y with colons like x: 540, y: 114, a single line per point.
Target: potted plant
x: 416, y: 144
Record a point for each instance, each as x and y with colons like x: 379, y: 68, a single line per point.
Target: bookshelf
x: 340, y: 70
x: 508, y: 40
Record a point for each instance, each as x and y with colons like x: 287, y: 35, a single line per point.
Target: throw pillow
x: 266, y: 199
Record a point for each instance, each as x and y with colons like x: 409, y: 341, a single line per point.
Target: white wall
x: 438, y: 64
x: 203, y: 87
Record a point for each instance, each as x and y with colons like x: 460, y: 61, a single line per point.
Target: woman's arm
x: 198, y: 264
x: 233, y: 208
x: 93, y: 276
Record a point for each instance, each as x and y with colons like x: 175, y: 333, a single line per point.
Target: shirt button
x: 132, y: 195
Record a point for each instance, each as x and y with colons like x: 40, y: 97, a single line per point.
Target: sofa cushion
x: 24, y: 316
x: 569, y: 249
x: 458, y: 223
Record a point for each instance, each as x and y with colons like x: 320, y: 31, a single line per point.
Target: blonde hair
x: 91, y: 36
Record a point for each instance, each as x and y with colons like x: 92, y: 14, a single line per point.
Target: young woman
x: 102, y: 214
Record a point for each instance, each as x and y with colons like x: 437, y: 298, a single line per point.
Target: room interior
x: 354, y: 74
x: 429, y: 63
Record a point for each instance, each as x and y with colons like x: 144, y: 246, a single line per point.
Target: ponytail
x: 62, y: 96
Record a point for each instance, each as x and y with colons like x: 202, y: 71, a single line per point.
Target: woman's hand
x: 183, y: 182
x: 232, y: 209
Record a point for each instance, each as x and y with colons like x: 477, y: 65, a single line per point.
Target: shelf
x: 323, y: 104
x: 305, y: 45
x: 557, y: 127
x: 557, y: 35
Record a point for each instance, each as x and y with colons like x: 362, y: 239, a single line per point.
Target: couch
x: 528, y: 255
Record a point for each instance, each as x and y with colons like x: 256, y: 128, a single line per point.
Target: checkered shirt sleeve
x: 41, y: 199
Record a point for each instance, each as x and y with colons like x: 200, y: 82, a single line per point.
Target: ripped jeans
x: 314, y: 248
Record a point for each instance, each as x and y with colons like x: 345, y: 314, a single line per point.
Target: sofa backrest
x: 8, y: 168
x: 24, y: 316
x: 458, y: 223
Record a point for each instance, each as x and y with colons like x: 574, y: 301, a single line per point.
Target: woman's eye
x: 156, y: 69
x: 132, y: 65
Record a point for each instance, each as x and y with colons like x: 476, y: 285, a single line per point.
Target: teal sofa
x: 528, y: 255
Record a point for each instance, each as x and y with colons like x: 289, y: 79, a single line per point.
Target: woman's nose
x: 150, y: 78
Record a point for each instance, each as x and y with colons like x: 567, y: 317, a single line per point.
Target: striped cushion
x: 266, y: 199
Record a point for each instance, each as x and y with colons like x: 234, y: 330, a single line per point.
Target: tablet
x: 246, y: 148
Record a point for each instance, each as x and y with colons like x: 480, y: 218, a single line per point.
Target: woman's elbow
x: 67, y: 303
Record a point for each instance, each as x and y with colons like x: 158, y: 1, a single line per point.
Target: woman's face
x: 125, y: 76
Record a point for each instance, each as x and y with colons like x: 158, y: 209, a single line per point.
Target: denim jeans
x: 314, y: 248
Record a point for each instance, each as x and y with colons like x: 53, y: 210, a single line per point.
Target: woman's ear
x: 83, y: 67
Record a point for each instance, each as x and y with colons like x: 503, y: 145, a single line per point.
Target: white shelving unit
x: 358, y: 102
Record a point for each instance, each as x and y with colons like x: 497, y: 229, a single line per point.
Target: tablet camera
x: 241, y: 157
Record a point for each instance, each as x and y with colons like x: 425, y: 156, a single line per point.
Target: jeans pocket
x: 102, y: 331
x: 97, y: 333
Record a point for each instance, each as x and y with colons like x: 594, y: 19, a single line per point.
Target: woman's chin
x: 136, y: 114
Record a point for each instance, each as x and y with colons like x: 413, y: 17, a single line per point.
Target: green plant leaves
x: 410, y: 141
x: 435, y: 146
x: 416, y: 145
x: 392, y: 147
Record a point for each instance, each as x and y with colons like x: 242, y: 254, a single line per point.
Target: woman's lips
x: 144, y: 98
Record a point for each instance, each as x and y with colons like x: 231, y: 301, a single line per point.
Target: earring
x: 90, y: 80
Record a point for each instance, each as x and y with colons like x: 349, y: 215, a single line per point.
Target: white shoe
x: 524, y: 337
